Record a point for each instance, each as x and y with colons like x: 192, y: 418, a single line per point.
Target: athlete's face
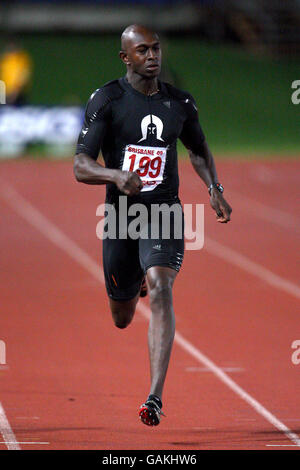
x: 143, y: 54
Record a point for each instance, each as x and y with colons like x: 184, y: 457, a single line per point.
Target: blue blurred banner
x: 20, y: 126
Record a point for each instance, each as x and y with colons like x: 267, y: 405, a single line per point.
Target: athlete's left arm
x: 202, y: 159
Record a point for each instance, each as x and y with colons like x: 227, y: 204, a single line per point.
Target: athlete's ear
x: 124, y: 57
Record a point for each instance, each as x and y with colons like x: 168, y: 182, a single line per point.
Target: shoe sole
x: 149, y: 416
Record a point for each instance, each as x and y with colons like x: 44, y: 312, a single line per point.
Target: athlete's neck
x: 147, y: 86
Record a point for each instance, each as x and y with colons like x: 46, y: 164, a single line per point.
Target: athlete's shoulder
x: 103, y: 96
x: 177, y: 93
x: 184, y: 97
x: 113, y: 89
x: 108, y: 92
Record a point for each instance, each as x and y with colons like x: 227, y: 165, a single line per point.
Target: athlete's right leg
x: 123, y: 278
x: 123, y: 311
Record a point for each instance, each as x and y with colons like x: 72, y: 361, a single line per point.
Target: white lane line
x: 198, y: 355
x: 7, y: 433
x: 268, y: 213
x: 205, y: 369
x: 54, y: 234
x: 243, y: 262
x: 27, y: 417
x: 282, y: 445
x: 25, y: 442
x: 262, y: 211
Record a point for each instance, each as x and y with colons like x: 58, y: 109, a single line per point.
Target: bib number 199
x: 147, y: 162
x: 146, y: 166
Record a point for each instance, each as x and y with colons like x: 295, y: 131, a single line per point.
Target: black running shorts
x: 126, y: 260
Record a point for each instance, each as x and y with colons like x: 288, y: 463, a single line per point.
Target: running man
x: 135, y: 121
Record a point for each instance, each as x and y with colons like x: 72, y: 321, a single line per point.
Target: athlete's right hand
x: 128, y: 182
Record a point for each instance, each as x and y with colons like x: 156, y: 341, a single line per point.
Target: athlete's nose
x: 151, y: 54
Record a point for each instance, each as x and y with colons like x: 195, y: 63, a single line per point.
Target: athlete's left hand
x: 220, y: 206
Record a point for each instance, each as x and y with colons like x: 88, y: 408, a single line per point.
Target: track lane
x: 196, y: 437
x: 262, y: 240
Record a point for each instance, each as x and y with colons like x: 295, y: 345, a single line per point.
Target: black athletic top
x: 136, y: 132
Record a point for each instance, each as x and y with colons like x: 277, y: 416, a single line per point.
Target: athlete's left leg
x: 160, y: 259
x: 123, y: 311
x: 162, y: 324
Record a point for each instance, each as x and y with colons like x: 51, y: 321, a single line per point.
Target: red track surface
x: 75, y: 381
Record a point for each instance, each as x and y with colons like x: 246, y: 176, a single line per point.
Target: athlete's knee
x: 122, y: 313
x: 122, y: 323
x: 161, y: 289
x: 122, y: 318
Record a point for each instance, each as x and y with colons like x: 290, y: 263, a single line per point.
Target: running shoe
x: 143, y: 291
x: 150, y: 411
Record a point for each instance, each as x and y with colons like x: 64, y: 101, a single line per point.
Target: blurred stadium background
x: 72, y: 381
x: 238, y: 58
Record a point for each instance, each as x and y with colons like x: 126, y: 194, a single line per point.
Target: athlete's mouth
x: 152, y: 66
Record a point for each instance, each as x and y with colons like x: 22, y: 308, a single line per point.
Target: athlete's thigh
x: 163, y: 247
x: 122, y: 269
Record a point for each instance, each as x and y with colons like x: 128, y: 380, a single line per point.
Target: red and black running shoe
x: 150, y: 411
x: 143, y: 291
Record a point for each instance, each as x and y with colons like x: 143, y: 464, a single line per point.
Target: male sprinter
x: 136, y: 121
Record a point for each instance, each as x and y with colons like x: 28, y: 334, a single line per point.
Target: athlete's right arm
x: 89, y: 171
x: 86, y: 167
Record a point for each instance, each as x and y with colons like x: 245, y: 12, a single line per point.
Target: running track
x: 74, y: 381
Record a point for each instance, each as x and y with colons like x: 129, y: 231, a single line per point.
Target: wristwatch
x: 218, y: 186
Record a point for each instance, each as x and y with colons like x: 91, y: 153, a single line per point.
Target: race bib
x: 147, y: 162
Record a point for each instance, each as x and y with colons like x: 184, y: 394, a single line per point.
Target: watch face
x: 218, y: 186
